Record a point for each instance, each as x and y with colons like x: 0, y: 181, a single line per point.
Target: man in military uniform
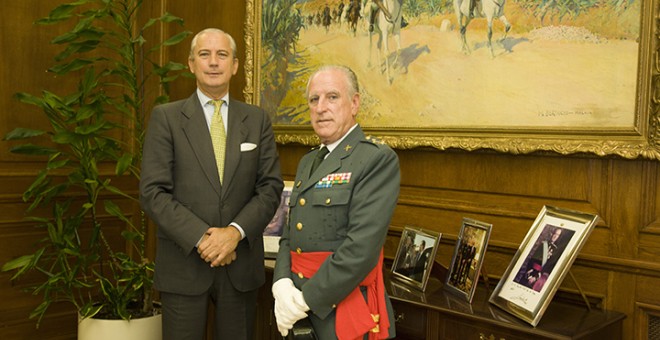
x: 329, y: 265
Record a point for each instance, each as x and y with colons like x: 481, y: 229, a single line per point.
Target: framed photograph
x: 415, y: 257
x: 468, y: 257
x: 542, y: 261
x: 274, y: 229
x: 467, y: 95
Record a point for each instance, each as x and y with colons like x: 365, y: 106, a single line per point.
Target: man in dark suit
x: 329, y: 265
x: 423, y: 258
x: 210, y: 215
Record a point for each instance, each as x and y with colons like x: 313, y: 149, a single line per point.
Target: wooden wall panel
x: 25, y: 58
x: 618, y: 267
x: 228, y: 15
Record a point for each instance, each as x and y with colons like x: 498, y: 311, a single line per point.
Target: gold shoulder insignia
x: 375, y: 140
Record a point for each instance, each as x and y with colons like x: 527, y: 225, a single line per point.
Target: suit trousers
x: 185, y: 316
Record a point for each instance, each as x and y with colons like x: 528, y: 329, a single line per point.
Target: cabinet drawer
x: 464, y: 330
x: 410, y: 321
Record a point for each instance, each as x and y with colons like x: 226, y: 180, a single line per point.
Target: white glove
x: 290, y: 305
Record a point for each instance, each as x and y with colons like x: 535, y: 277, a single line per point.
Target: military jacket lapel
x: 334, y: 160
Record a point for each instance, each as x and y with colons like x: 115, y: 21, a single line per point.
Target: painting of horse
x: 386, y: 23
x: 553, y: 71
x: 466, y: 10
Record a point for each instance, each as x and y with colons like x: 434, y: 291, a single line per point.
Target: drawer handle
x: 400, y: 317
x: 491, y: 337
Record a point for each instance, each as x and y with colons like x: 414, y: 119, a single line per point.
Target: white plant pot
x: 149, y: 328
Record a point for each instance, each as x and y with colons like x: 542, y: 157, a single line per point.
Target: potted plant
x: 85, y: 148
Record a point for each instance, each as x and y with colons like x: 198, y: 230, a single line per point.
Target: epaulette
x: 314, y: 149
x: 375, y: 140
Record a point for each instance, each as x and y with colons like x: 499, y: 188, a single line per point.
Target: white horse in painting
x: 490, y: 9
x: 386, y: 23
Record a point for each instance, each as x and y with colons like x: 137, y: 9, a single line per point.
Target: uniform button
x: 299, y: 226
x: 300, y: 275
x: 298, y: 184
x: 334, y: 306
x: 298, y: 250
x: 327, y: 201
x: 302, y: 202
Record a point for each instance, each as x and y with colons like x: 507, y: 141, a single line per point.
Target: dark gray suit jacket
x: 180, y: 190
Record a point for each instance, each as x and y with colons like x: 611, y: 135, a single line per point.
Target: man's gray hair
x: 353, y: 86
x: 193, y: 43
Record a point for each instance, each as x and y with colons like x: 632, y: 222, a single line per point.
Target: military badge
x: 332, y: 179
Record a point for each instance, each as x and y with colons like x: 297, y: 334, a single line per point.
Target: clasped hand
x: 218, y: 246
x: 290, y: 305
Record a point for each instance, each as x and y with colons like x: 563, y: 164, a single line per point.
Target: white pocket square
x: 248, y: 147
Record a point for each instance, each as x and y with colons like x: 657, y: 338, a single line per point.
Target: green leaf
x: 17, y: 263
x: 65, y: 38
x: 168, y: 17
x: 65, y: 137
x: 38, y: 182
x: 56, y: 164
x: 90, y: 309
x: 123, y: 163
x: 29, y: 99
x: 131, y: 235
x: 149, y: 23
x: 90, y: 129
x: 74, y: 65
x: 23, y: 133
x: 177, y: 38
x: 31, y: 149
x: 77, y: 47
x: 112, y: 209
x: 59, y: 13
x: 118, y: 192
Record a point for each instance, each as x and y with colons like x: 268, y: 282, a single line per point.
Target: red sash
x: 354, y: 316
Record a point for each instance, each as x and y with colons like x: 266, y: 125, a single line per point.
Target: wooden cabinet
x: 438, y: 314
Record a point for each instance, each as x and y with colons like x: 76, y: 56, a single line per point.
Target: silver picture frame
x: 415, y: 257
x: 463, y: 273
x: 541, y: 262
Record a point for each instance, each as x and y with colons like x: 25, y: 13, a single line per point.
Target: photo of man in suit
x: 421, y: 262
x: 211, y: 185
x: 329, y: 265
x: 543, y: 258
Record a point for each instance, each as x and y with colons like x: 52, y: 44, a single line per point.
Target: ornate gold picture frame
x: 593, y: 102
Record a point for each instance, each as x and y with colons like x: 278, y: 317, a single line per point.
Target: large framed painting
x: 557, y: 77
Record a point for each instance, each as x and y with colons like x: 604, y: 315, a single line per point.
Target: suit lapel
x: 197, y: 132
x: 236, y: 134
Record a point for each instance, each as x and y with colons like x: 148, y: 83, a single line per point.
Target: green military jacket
x: 344, y: 207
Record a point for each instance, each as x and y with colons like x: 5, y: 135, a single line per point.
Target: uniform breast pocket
x: 332, y: 206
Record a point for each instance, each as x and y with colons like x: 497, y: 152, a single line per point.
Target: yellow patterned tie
x: 218, y: 137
